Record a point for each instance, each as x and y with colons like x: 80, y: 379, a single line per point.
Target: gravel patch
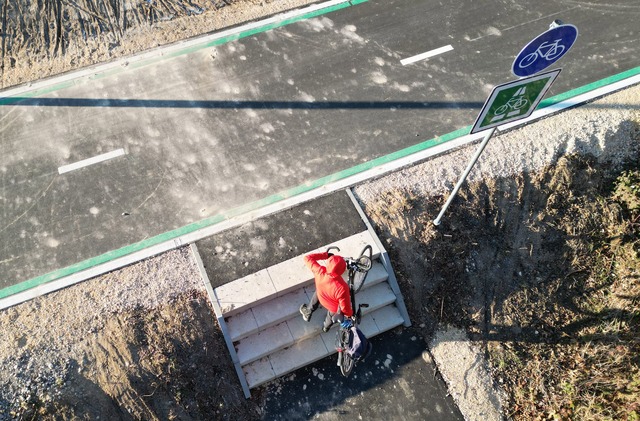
x: 466, y: 372
x: 600, y: 128
x: 36, y: 363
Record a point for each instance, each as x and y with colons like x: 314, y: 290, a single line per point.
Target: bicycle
x: 514, y: 104
x: 553, y: 50
x: 357, y: 270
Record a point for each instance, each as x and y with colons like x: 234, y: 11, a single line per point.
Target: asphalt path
x: 396, y: 382
x: 190, y: 137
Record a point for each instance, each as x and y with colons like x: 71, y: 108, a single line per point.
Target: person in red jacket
x: 331, y: 290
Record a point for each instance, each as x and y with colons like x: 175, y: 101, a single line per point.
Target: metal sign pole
x: 483, y: 144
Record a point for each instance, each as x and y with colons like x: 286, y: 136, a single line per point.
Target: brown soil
x: 170, y: 363
x: 542, y: 270
x: 139, y: 343
x: 50, y: 37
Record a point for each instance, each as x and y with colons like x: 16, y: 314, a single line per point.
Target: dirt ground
x: 137, y: 343
x: 541, y: 269
x: 49, y: 37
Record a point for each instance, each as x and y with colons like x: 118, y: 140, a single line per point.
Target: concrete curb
x: 172, y: 50
x: 221, y: 322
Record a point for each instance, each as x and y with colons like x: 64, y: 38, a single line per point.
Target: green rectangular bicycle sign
x: 514, y: 100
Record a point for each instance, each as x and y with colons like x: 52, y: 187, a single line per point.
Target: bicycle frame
x: 357, y: 273
x: 546, y: 50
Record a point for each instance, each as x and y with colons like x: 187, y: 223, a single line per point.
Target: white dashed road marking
x: 428, y: 54
x: 90, y: 161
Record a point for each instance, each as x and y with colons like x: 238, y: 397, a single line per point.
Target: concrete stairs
x: 260, y: 320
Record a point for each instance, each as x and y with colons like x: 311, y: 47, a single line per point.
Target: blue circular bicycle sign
x: 544, y: 50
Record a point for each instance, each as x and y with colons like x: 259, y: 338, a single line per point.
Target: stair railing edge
x: 223, y: 325
x: 384, y: 258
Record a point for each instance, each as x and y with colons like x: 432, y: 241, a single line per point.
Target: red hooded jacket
x: 332, y: 290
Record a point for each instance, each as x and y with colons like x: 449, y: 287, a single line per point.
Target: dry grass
x: 586, y: 365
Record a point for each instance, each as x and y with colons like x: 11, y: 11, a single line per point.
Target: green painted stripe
x: 9, y: 100
x: 227, y: 39
x: 240, y: 210
x: 589, y: 87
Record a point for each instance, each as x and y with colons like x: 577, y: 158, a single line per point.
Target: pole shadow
x: 236, y: 104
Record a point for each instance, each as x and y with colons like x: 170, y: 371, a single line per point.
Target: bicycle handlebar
x: 351, y: 262
x: 348, y: 260
x: 336, y: 248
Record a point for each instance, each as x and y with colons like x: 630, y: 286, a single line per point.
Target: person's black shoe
x: 306, y: 314
x: 326, y: 329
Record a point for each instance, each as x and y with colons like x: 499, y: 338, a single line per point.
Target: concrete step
x: 259, y: 318
x: 312, y: 349
x: 295, y: 329
x: 278, y: 280
x: 282, y: 308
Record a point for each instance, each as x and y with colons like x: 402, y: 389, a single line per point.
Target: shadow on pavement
x: 394, y: 383
x: 221, y: 104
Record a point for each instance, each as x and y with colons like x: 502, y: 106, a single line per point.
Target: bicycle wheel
x: 501, y: 110
x: 519, y: 103
x: 364, y: 264
x: 347, y: 364
x: 555, y: 52
x: 528, y: 60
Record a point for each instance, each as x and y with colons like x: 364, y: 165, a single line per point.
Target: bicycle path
x: 193, y: 138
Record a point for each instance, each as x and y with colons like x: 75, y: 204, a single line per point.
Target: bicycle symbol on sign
x: 547, y: 50
x: 514, y: 106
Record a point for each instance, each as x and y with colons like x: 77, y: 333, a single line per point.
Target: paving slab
x: 387, y: 318
x: 281, y: 308
x: 290, y: 275
x: 235, y: 296
x: 242, y: 325
x: 376, y: 296
x: 267, y: 241
x: 301, y: 329
x: 299, y: 355
x: 260, y: 345
x: 376, y: 274
x: 259, y: 372
x: 368, y: 326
